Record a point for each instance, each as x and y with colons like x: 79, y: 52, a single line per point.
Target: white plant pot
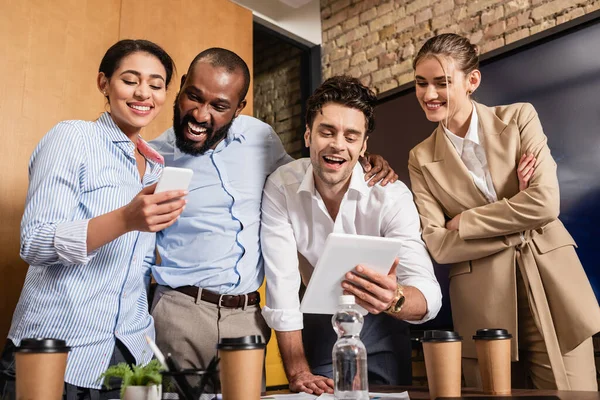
x: 153, y: 392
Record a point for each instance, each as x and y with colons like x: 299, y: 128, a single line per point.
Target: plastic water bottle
x: 349, y: 353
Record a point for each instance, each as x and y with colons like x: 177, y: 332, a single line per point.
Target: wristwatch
x: 398, y: 301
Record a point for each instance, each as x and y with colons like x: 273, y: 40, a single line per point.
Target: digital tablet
x: 343, y: 252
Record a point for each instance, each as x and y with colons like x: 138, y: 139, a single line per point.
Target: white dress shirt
x: 471, y: 151
x: 295, y: 220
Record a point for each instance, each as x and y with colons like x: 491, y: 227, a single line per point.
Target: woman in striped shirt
x: 90, y: 220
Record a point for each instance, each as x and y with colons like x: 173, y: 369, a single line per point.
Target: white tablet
x: 343, y: 252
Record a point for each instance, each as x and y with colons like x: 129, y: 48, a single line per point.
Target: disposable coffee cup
x: 493, y: 356
x: 41, y: 365
x: 442, y: 350
x: 241, y: 367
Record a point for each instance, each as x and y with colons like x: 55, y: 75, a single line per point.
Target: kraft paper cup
x: 493, y: 356
x: 241, y: 367
x: 41, y: 365
x: 442, y: 350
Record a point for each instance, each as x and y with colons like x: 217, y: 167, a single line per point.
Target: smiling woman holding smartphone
x: 89, y: 221
x: 486, y: 211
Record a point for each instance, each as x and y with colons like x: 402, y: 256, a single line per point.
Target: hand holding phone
x: 174, y: 178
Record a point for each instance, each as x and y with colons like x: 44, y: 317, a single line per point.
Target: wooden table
x: 421, y: 393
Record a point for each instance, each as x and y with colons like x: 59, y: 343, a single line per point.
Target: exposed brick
x: 358, y: 58
x: 490, y: 16
x: 460, y: 13
x: 405, y: 23
x: 518, y: 21
x: 549, y: 23
x: 474, y: 6
x: 423, y: 15
x: 476, y: 37
x: 518, y: 35
x: 441, y: 21
x: 351, y: 36
x: 387, y: 59
x: 385, y: 8
x: 408, y: 51
x: 354, y: 72
x: 350, y: 24
x: 387, y: 33
x: 380, y: 22
x: 416, y: 5
x: 493, y: 45
x: 375, y: 51
x: 592, y: 7
x: 338, y: 54
x: 339, y: 5
x: 547, y: 9
x: 339, y: 67
x: 392, y: 45
x: 325, y: 12
x: 447, y: 29
x: 468, y: 25
x: 494, y: 30
x: 514, y: 6
x: 369, y: 67
x: 333, y: 32
x: 387, y: 85
x: 405, y: 78
x: 368, y: 15
x: 365, y: 42
x: 381, y: 75
x: 334, y: 20
x: 577, y: 12
x: 366, y: 80
x: 442, y: 7
x: 401, y: 68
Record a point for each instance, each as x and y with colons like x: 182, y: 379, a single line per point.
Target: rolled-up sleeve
x: 415, y: 267
x: 49, y: 233
x: 282, y: 310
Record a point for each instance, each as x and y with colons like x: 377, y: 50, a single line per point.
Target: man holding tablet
x: 306, y: 200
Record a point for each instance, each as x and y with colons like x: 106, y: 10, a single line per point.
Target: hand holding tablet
x: 342, y: 253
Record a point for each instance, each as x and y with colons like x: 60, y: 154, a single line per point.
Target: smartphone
x: 174, y: 178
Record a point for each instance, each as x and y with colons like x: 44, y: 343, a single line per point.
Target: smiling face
x: 136, y: 91
x: 205, y: 107
x: 337, y: 139
x: 442, y: 90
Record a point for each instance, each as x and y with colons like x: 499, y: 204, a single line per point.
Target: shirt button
x: 134, y: 259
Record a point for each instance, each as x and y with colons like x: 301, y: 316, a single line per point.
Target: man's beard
x: 189, y: 146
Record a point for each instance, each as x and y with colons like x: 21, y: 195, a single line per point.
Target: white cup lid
x: 347, y: 299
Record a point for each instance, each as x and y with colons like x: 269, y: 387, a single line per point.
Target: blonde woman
x: 487, y: 213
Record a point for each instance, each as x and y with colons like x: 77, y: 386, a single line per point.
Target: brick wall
x: 376, y: 40
x: 277, y: 97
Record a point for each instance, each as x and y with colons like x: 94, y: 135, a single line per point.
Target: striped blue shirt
x: 81, y: 170
x: 215, y: 243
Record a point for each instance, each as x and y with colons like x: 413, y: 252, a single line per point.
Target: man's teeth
x: 140, y: 108
x: 196, y: 129
x: 334, y: 159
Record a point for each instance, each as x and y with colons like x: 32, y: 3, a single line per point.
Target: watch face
x: 399, y: 304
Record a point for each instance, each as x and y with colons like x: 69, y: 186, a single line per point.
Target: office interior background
x: 51, y: 52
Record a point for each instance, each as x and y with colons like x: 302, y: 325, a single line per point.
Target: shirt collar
x: 357, y: 181
x: 472, y: 133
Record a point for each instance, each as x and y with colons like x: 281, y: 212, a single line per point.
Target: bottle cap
x: 492, y: 334
x: 441, y: 336
x: 347, y: 299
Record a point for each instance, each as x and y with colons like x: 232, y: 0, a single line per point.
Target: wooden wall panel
x: 184, y: 28
x: 50, y: 57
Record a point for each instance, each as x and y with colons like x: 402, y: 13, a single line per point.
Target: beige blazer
x: 486, y: 250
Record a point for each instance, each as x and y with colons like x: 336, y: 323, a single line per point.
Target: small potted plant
x: 137, y: 382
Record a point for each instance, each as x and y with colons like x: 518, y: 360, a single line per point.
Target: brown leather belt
x: 222, y: 300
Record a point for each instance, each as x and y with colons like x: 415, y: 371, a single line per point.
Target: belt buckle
x: 221, y: 296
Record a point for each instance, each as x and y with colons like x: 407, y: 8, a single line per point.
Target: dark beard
x: 189, y: 146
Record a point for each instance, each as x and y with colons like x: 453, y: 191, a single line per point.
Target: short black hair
x: 346, y: 91
x: 118, y: 51
x: 223, y: 58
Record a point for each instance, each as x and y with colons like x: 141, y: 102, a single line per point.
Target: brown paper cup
x: 41, y: 365
x: 241, y: 367
x: 493, y: 357
x: 443, y: 364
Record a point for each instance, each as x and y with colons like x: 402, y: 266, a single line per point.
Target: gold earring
x: 469, y: 92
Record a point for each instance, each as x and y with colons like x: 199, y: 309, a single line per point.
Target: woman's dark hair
x: 459, y: 48
x: 118, y: 51
x: 346, y: 91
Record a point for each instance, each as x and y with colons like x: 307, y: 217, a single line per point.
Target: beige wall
x: 50, y: 57
x: 376, y: 40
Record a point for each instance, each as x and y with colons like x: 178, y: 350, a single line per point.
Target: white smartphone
x: 174, y: 178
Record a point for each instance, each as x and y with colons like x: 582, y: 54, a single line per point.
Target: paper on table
x: 373, y: 396
x: 293, y: 396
